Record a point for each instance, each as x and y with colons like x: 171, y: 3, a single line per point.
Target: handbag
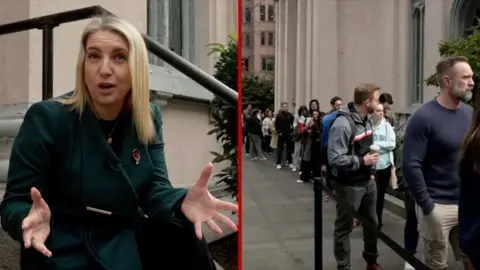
x: 393, y: 174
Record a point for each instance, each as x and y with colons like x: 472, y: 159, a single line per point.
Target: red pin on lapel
x: 136, y: 156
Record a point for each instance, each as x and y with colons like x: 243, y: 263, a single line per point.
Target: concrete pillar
x: 300, y: 69
x: 324, y: 32
x: 316, y: 60
x: 284, y: 53
x: 277, y: 59
x: 309, y: 50
x: 281, y: 51
x: 290, y: 74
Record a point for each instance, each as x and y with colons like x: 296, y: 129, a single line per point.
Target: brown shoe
x: 373, y: 266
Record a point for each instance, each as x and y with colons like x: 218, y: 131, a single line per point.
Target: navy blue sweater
x: 431, y: 150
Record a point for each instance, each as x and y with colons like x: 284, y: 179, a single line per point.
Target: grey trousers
x: 255, y: 146
x: 297, y: 155
x: 362, y: 198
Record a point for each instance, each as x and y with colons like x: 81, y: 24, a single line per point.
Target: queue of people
x: 355, y: 149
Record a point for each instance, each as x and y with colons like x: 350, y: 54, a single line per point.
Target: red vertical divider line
x: 240, y: 128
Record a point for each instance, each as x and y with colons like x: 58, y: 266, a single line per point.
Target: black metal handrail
x: 49, y: 22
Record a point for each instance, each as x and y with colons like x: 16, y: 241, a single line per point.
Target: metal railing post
x: 47, y: 61
x: 318, y: 223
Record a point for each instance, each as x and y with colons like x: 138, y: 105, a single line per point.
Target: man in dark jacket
x: 284, y: 128
x: 350, y: 164
x: 254, y: 128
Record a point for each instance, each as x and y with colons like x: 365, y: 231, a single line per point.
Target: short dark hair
x: 386, y: 98
x: 302, y: 109
x: 446, y: 65
x: 335, y: 99
x: 364, y: 92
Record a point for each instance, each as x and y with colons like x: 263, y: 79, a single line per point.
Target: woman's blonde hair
x: 138, y: 100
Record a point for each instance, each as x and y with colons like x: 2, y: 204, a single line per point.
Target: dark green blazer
x: 69, y: 160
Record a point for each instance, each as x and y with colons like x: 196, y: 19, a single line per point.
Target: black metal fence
x: 319, y: 185
x: 48, y: 23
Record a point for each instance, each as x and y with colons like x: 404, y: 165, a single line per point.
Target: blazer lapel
x: 106, y: 185
x: 135, y: 159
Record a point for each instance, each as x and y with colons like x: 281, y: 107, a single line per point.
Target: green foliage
x: 258, y: 92
x: 464, y: 46
x: 225, y: 115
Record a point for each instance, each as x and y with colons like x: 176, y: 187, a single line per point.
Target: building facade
x: 184, y: 25
x: 326, y: 48
x: 259, y: 37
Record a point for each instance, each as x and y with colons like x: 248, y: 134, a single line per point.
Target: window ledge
x: 170, y: 81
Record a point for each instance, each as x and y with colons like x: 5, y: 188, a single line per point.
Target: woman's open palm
x: 200, y: 206
x: 36, y: 226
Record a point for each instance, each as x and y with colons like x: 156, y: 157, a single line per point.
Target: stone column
x: 402, y: 75
x: 290, y: 74
x: 300, y: 54
x: 308, y: 51
x: 316, y: 60
x: 281, y: 51
x: 277, y: 58
x: 284, y: 53
x: 325, y: 55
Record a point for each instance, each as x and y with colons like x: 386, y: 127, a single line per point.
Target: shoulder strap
x: 353, y: 128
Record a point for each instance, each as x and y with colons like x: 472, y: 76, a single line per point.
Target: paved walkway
x: 278, y: 224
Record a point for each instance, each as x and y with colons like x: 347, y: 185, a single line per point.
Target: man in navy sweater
x: 431, y: 150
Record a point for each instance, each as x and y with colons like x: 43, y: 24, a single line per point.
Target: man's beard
x: 370, y: 109
x: 462, y: 94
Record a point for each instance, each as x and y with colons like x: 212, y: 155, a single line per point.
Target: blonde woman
x: 88, y: 185
x: 384, y: 137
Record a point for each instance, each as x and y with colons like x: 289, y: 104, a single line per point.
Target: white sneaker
x: 279, y: 167
x: 408, y: 266
x: 294, y: 169
x: 263, y: 158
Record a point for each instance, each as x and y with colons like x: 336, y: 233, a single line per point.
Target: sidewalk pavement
x: 278, y: 227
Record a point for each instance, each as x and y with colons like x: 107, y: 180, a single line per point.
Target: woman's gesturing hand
x: 36, y: 226
x: 200, y: 206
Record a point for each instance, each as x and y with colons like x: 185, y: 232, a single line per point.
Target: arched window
x: 472, y: 22
x: 418, y: 38
x: 465, y: 16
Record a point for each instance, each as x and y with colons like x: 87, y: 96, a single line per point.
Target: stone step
x: 2, y: 190
x: 395, y: 205
x: 3, y: 170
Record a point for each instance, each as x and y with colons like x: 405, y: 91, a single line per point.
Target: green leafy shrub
x: 225, y: 115
x: 258, y: 92
x: 465, y: 46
